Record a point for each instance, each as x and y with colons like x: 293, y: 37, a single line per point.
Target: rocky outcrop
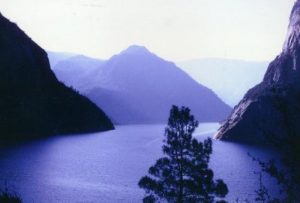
x: 33, y: 103
x: 272, y: 108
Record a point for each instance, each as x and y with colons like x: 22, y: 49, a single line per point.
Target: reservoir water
x: 106, y: 167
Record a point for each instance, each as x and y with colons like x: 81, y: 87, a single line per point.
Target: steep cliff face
x: 32, y: 101
x: 272, y: 108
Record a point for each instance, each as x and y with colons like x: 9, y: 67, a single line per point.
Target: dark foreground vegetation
x: 286, y: 171
x: 8, y: 197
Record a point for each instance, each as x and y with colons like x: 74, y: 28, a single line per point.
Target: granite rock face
x: 33, y: 103
x: 272, y: 108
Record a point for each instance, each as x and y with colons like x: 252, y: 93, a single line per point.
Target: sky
x: 176, y: 30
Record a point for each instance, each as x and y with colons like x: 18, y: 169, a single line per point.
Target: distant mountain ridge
x: 72, y: 69
x: 230, y: 79
x: 136, y: 86
x: 33, y: 103
x: 56, y: 57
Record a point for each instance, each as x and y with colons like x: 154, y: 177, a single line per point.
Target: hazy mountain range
x: 136, y: 86
x: 55, y: 57
x: 74, y: 69
x: 230, y: 79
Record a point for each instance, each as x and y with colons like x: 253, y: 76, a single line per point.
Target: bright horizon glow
x: 173, y: 29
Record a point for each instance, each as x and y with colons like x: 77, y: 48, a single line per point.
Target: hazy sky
x: 174, y: 29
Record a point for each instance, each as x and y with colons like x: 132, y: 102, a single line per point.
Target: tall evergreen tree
x: 182, y: 175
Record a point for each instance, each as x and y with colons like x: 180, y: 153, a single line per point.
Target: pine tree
x: 182, y: 175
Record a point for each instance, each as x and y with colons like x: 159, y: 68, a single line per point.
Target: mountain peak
x: 135, y: 49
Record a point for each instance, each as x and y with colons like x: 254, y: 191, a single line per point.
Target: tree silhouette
x: 183, y: 174
x: 286, y: 170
